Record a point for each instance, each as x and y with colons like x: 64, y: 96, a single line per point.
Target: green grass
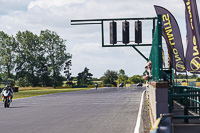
x: 31, y: 93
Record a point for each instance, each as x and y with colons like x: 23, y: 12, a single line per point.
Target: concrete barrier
x: 158, y: 99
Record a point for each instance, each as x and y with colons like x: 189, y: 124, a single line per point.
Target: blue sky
x: 84, y: 42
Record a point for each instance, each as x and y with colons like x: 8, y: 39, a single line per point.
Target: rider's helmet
x: 7, y: 86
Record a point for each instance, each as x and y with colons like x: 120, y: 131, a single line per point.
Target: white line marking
x: 137, y: 127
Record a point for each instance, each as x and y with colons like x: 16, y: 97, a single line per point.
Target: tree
x: 198, y: 79
x: 7, y: 53
x: 96, y: 79
x: 122, y: 77
x: 110, y: 77
x: 135, y: 79
x: 183, y: 80
x: 43, y: 74
x: 193, y: 76
x: 84, y: 78
x: 180, y: 76
x: 121, y: 72
x: 28, y: 53
x: 22, y: 82
x: 55, y: 53
x: 37, y: 60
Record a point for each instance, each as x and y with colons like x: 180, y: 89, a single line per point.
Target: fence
x: 188, y: 97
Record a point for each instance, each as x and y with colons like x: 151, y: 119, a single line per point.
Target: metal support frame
x: 101, y: 22
x: 141, y: 53
x: 156, y: 52
x: 160, y: 60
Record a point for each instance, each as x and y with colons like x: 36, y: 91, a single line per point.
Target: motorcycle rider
x: 7, y: 87
x: 96, y: 85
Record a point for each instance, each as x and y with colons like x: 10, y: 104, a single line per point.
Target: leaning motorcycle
x: 6, y: 96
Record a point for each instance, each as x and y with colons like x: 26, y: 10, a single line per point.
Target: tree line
x: 32, y: 60
x: 109, y: 77
x: 114, y: 78
x: 117, y: 77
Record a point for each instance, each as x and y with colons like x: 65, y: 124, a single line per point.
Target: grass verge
x: 31, y: 93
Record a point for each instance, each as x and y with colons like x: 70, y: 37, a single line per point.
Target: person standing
x: 146, y: 77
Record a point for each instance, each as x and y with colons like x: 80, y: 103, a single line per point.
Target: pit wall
x: 158, y: 99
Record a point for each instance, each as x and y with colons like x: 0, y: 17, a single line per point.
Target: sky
x: 84, y: 42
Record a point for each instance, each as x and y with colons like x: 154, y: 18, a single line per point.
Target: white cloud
x: 84, y: 42
x: 9, y: 6
x: 45, y: 4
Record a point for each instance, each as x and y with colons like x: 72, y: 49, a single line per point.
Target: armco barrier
x: 108, y: 85
x: 79, y: 86
x: 192, y: 84
x: 184, y: 84
x: 197, y: 84
x: 128, y: 85
x: 177, y: 83
x: 62, y: 87
x: 131, y: 85
x: 92, y: 86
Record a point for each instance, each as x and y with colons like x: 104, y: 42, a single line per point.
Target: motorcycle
x: 6, y: 95
x: 96, y: 85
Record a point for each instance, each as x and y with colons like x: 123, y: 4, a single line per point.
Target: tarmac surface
x: 108, y: 110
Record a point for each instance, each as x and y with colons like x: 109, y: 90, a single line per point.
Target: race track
x: 108, y: 110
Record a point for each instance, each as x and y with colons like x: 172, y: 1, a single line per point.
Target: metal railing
x: 189, y: 98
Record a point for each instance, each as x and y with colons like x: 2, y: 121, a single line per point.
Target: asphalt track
x: 108, y: 110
